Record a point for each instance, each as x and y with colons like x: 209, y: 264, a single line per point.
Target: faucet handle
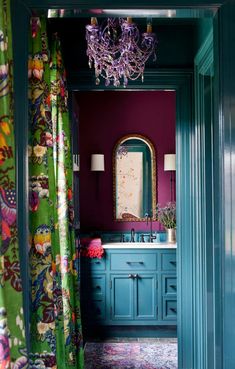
x: 153, y: 237
x: 146, y: 215
x: 132, y: 235
x: 142, y: 239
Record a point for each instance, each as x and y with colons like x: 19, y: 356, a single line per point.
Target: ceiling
x: 178, y: 36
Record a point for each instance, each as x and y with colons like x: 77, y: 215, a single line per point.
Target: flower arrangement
x: 93, y: 252
x: 92, y: 248
x: 167, y: 215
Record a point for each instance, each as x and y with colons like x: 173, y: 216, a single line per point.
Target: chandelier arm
x: 117, y: 51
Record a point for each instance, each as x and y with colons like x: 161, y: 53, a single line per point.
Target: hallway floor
x: 132, y: 353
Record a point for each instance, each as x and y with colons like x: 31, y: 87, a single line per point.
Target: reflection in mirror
x: 134, y: 178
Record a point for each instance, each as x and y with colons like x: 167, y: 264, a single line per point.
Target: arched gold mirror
x: 134, y: 179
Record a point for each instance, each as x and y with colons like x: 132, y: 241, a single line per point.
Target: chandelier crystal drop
x: 118, y: 51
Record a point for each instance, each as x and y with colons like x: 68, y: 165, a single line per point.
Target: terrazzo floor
x: 132, y: 353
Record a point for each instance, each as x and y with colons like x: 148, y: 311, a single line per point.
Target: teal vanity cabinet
x: 93, y: 290
x: 134, y: 285
x: 133, y: 297
x: 169, y: 286
x: 130, y: 287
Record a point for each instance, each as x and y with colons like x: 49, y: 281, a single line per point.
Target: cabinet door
x: 169, y: 309
x: 168, y: 261
x: 122, y: 297
x: 145, y: 296
x: 169, y: 285
x: 93, y: 297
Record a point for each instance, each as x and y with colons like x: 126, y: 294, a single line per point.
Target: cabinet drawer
x: 92, y: 286
x: 95, y: 264
x: 169, y: 309
x: 169, y: 284
x: 96, y: 286
x: 168, y: 261
x: 137, y: 261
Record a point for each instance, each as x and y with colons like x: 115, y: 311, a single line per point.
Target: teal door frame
x: 203, y: 250
x: 224, y: 185
x: 222, y: 181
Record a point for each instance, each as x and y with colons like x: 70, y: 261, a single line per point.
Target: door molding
x: 203, y: 246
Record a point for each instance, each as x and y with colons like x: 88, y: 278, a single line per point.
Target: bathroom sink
x: 139, y: 245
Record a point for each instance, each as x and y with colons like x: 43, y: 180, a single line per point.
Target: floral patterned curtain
x: 56, y: 339
x: 12, y: 333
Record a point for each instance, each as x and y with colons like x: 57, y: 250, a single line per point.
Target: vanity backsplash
x: 131, y: 236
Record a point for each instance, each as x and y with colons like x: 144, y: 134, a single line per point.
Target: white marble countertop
x: 139, y: 245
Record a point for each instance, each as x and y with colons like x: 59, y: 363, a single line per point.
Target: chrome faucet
x: 152, y: 237
x: 150, y: 218
x: 132, y: 235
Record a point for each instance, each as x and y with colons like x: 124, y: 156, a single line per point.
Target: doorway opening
x: 180, y: 39
x: 142, y: 309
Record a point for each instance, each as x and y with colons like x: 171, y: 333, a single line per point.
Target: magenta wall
x: 104, y: 117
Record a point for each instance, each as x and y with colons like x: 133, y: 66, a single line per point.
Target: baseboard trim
x: 103, y: 332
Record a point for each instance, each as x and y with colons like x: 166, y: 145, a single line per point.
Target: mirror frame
x: 153, y: 175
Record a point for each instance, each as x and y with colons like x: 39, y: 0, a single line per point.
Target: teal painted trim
x: 184, y: 224
x: 121, y: 4
x: 218, y: 199
x: 204, y: 27
x: 134, y: 331
x: 225, y: 153
x: 20, y: 21
x: 178, y: 13
x: 156, y: 79
x: 203, y: 247
x: 205, y: 56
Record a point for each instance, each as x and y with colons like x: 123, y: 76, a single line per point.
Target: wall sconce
x: 97, y: 165
x: 76, y: 162
x: 169, y: 165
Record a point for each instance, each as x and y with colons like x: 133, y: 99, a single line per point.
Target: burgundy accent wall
x: 104, y: 117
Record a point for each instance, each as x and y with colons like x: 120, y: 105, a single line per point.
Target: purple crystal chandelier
x: 118, y: 51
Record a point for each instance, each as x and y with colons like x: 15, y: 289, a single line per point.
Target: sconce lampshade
x: 76, y: 162
x: 97, y: 162
x: 169, y: 162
